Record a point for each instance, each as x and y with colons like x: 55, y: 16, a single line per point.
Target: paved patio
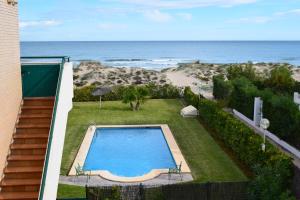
x: 162, y: 179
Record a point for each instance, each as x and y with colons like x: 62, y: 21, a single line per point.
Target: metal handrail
x: 63, y: 58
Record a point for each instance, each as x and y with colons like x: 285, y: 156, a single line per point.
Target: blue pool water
x: 128, y: 152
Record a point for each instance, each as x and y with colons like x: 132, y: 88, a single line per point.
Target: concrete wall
x: 64, y: 105
x: 10, y: 76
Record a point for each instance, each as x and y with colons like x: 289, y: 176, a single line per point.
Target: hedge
x: 190, y: 97
x: 247, y: 147
x: 242, y: 96
x: 165, y: 91
x: 85, y: 94
x: 297, y: 87
x: 222, y: 89
x: 155, y: 91
x: 282, y: 112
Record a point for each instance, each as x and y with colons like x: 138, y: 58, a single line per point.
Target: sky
x: 135, y: 20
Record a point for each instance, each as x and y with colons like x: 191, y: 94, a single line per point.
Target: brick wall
x: 10, y: 75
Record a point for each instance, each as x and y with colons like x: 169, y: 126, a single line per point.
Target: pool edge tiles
x: 171, y: 143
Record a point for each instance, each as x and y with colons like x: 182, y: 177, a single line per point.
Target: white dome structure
x: 189, y: 111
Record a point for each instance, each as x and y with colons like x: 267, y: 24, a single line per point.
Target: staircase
x: 25, y: 162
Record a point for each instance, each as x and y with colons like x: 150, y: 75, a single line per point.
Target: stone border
x: 175, y: 151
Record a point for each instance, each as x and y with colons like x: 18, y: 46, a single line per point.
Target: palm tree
x: 129, y: 96
x: 141, y: 96
x: 135, y: 95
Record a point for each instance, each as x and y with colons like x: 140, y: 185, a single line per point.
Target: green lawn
x: 69, y: 191
x: 206, y: 159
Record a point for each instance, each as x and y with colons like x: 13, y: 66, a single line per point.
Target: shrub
x: 269, y: 183
x: 85, y: 94
x: 242, y: 96
x: 135, y: 96
x: 272, y: 168
x: 155, y: 91
x: 282, y: 112
x: 190, y: 97
x: 222, y: 89
x: 166, y: 91
x: 241, y: 70
x: 281, y: 80
x: 297, y: 87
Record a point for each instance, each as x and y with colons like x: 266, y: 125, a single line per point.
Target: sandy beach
x: 197, y: 75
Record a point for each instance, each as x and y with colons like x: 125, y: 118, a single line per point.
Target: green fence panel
x: 39, y: 80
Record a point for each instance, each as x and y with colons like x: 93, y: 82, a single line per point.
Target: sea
x: 163, y: 54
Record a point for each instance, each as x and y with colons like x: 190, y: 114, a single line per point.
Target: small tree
x: 129, y: 96
x: 281, y: 79
x: 140, y: 95
x: 242, y: 70
x: 222, y: 89
x: 135, y: 96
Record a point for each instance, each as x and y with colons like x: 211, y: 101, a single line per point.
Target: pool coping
x: 174, y: 148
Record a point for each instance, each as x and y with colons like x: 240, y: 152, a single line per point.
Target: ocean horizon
x: 164, y: 54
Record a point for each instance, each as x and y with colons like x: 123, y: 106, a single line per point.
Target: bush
x: 241, y: 70
x: 166, y: 91
x: 271, y: 167
x: 190, y: 97
x: 242, y: 96
x: 282, y: 112
x: 269, y: 183
x: 155, y: 92
x: 297, y: 87
x: 135, y: 96
x: 85, y: 94
x: 281, y: 80
x: 222, y: 89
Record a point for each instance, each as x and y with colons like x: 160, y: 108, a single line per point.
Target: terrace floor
x: 93, y: 181
x: 206, y: 159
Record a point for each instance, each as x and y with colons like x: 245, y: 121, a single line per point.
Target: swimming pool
x: 129, y: 152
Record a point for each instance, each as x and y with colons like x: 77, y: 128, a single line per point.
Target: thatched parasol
x: 100, y: 91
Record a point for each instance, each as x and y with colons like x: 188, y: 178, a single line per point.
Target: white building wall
x: 63, y: 107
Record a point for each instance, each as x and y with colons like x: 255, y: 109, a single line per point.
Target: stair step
x: 28, y: 151
x: 28, y: 146
x: 37, y: 107
x: 22, y: 175
x: 40, y: 109
x: 9, y: 170
x: 35, y: 119
x: 19, y: 182
x: 38, y: 98
x: 23, y: 172
x: 31, y: 136
x: 19, y: 195
x: 20, y: 185
x: 28, y: 126
x: 38, y: 101
x: 32, y: 116
x: 25, y: 157
x: 33, y: 131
